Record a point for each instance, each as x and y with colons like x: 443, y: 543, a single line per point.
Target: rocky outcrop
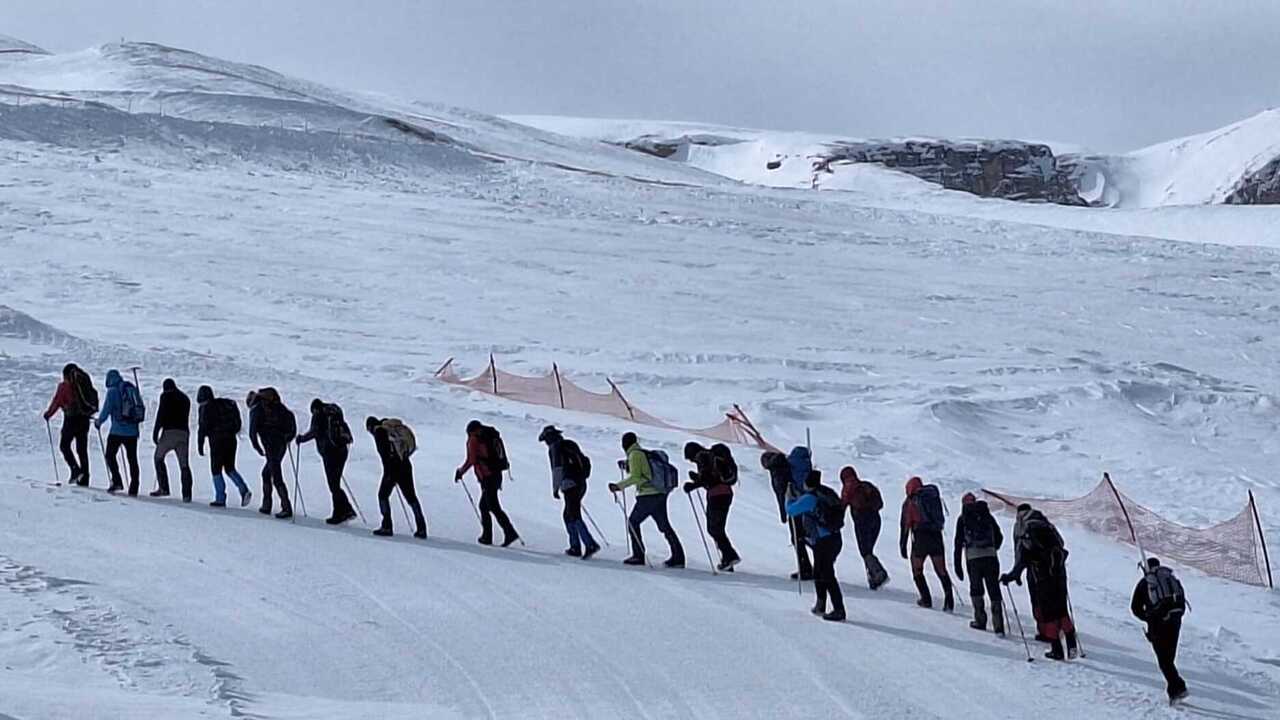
x: 1261, y: 187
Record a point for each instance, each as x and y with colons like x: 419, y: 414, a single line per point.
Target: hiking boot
x: 339, y: 519
x: 997, y: 619
x: 245, y: 498
x: 592, y: 550
x: 187, y: 499
x: 508, y: 540
x: 1177, y: 695
x: 218, y: 503
x: 265, y: 509
x: 633, y: 560
x: 113, y: 489
x: 383, y: 532
x: 834, y: 616
x: 818, y: 610
x: 728, y: 565
x: 1073, y: 647
x: 484, y: 540
x: 806, y: 577
x: 420, y: 533
x: 284, y: 514
x: 84, y: 481
x: 926, y: 603
x: 158, y: 493
x: 979, y: 615
x: 1055, y: 651
x: 1040, y: 637
x: 573, y: 552
x: 674, y: 563
x: 926, y: 598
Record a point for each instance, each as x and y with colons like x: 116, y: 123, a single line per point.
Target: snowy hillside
x: 268, y: 231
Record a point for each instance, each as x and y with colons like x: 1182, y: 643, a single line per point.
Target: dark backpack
x: 336, y: 430
x: 830, y: 511
x: 929, y: 502
x: 132, y: 408
x: 662, y: 474
x: 222, y: 417
x: 577, y: 466
x: 276, y: 420
x: 979, y: 531
x: 1165, y: 595
x: 84, y: 396
x: 495, y: 452
x: 729, y: 471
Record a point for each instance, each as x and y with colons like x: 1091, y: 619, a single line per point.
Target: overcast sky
x: 1109, y: 74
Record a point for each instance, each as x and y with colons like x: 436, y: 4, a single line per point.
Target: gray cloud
x: 1111, y: 74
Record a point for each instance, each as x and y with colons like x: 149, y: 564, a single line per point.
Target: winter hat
x: 813, y: 479
x: 629, y: 439
x: 204, y: 394
x: 968, y: 498
x: 1024, y: 508
x: 251, y: 398
x: 371, y: 422
x: 549, y: 434
x: 68, y: 369
x: 848, y: 474
x: 316, y: 404
x: 474, y: 427
x: 169, y: 384
x: 914, y: 485
x: 691, y: 450
x: 1153, y: 563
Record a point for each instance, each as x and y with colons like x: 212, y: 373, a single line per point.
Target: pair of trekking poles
x: 1071, y: 613
x: 633, y: 532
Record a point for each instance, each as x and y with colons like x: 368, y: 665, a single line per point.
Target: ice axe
x: 136, y: 382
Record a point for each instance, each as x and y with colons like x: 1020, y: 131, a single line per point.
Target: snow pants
x: 177, y: 442
x: 653, y: 506
x: 717, y: 518
x: 130, y: 445
x: 222, y: 459
x: 397, y: 473
x: 825, y: 583
x: 75, y: 431
x: 491, y: 509
x: 1164, y: 641
x: 335, y: 463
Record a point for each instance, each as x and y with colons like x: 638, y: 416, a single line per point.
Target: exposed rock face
x: 1262, y: 187
x: 1002, y: 169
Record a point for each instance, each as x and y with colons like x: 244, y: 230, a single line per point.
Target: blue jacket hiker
x: 820, y: 513
x: 124, y: 408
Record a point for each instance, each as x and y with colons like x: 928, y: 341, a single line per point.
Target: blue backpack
x: 801, y: 461
x: 132, y: 409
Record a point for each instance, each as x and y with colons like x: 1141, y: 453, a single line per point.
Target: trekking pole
x: 470, y: 499
x: 1018, y: 618
x: 102, y: 448
x: 597, y: 527
x: 795, y: 543
x: 701, y: 534
x: 404, y: 507
x: 297, y: 485
x: 52, y: 455
x: 631, y: 532
x: 1071, y: 613
x: 355, y: 503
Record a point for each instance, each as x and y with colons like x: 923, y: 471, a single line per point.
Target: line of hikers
x: 813, y: 512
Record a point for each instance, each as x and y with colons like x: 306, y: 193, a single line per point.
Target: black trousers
x: 399, y: 474
x: 717, y: 517
x: 335, y: 462
x: 273, y: 476
x: 984, y: 577
x: 803, y: 565
x: 1164, y: 641
x: 824, y: 572
x: 491, y: 509
x: 653, y: 506
x: 75, y: 431
x: 130, y: 445
x: 573, y: 504
x: 866, y: 529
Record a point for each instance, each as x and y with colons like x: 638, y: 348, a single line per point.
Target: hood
x: 204, y: 394
x: 113, y: 378
x: 914, y: 485
x: 769, y: 458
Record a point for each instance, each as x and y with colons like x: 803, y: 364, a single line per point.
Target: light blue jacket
x: 111, y: 408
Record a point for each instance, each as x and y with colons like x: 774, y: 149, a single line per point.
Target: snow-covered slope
x: 14, y: 46
x: 978, y: 351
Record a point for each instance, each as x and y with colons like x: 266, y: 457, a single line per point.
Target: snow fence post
x: 493, y: 373
x: 1132, y: 533
x: 630, y: 412
x: 555, y: 369
x: 1266, y: 558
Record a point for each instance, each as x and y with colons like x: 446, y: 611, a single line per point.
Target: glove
x: 613, y: 488
x: 690, y: 487
x: 555, y: 494
x: 1009, y: 577
x: 97, y: 424
x: 457, y: 475
x: 904, y: 553
x: 693, y: 475
x: 622, y: 464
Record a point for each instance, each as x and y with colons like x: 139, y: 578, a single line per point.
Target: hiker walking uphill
x: 570, y: 469
x: 820, y: 514
x: 124, y: 408
x: 487, y: 456
x: 218, y: 421
x: 780, y: 478
x: 1159, y: 601
x: 172, y: 434
x: 396, y: 444
x: 651, y: 498
x: 864, y: 503
x: 923, y: 520
x: 717, y: 473
x: 272, y: 427
x: 978, y: 536
x: 78, y: 401
x: 1038, y: 548
x: 332, y: 436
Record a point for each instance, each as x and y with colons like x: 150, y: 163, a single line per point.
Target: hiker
x: 78, y: 401
x: 487, y: 456
x: 864, y: 503
x: 1159, y: 601
x: 218, y: 421
x: 651, y: 500
x: 717, y: 473
x: 272, y: 427
x: 1038, y: 548
x: 978, y: 536
x: 820, y: 513
x: 396, y: 443
x: 923, y: 520
x: 172, y: 434
x: 333, y: 436
x: 123, y: 406
x: 570, y: 469
x: 784, y: 491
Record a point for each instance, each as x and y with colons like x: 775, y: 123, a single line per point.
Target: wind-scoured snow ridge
x: 14, y: 46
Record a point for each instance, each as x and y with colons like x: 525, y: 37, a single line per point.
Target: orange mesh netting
x: 556, y: 390
x: 1234, y: 549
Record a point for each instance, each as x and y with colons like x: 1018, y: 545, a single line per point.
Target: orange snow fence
x: 1235, y: 549
x: 556, y: 390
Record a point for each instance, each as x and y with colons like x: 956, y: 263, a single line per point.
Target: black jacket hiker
x: 397, y: 472
x: 978, y: 539
x: 332, y: 437
x: 272, y: 427
x: 172, y: 434
x: 1163, y: 631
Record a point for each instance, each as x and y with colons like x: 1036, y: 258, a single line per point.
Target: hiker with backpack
x: 487, y: 456
x: 979, y: 538
x: 218, y: 421
x: 78, y: 401
x: 172, y: 434
x: 272, y: 427
x: 717, y: 473
x: 396, y: 444
x: 820, y: 513
x: 332, y: 436
x: 923, y: 520
x: 864, y: 503
x: 653, y: 477
x: 570, y: 468
x: 1039, y: 549
x: 780, y: 478
x: 123, y: 406
x: 1160, y: 602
